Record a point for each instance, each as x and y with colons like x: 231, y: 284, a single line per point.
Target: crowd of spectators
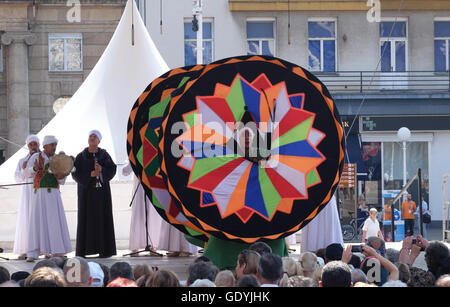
x: 367, y: 265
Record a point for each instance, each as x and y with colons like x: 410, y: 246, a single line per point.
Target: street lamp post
x: 404, y: 134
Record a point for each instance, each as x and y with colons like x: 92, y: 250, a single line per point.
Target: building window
x: 261, y: 37
x: 190, y: 43
x: 441, y: 45
x: 65, y: 52
x: 394, y: 45
x: 141, y: 6
x: 322, y: 45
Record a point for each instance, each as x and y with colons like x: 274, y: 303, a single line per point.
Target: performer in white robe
x: 23, y: 212
x: 173, y: 241
x: 163, y: 235
x: 323, y: 230
x: 291, y: 240
x: 48, y: 232
x: 137, y: 228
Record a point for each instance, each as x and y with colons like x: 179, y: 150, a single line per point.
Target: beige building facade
x: 47, y: 50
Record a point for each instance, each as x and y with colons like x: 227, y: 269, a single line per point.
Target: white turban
x: 97, y: 133
x: 49, y: 139
x: 32, y: 138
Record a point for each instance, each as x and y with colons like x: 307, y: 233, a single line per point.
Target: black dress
x: 95, y: 231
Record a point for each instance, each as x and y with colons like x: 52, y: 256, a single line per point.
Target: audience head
x: 201, y: 270
x: 48, y: 263
x: 317, y: 276
x: 403, y: 272
x: 121, y: 282
x: 392, y: 255
x: 444, y: 268
x: 77, y: 272
x: 142, y: 281
x: 141, y: 270
x: 364, y: 285
x: 261, y: 248
x: 59, y: 261
x: 202, y: 283
x: 45, y: 277
x: 435, y: 254
x: 202, y: 258
x: 420, y: 278
x: 105, y: 270
x: 308, y: 264
x: 359, y: 276
x: 336, y: 274
x: 10, y: 284
x: 19, y: 276
x: 443, y: 281
x: 355, y: 261
x: 4, y: 275
x: 333, y: 252
x: 121, y: 269
x: 163, y: 278
x: 97, y: 275
x: 225, y: 279
x: 290, y: 266
x: 377, y: 244
x: 248, y: 281
x: 320, y: 253
x: 270, y: 269
x: 301, y: 282
x: 247, y: 263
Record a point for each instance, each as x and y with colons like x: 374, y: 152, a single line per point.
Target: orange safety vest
x: 408, y: 208
x: 387, y: 213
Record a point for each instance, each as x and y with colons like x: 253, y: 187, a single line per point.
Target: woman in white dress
x: 323, y: 230
x: 173, y: 241
x: 23, y: 212
x: 163, y: 236
x: 137, y: 228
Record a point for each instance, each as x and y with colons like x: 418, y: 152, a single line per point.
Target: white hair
x: 203, y: 283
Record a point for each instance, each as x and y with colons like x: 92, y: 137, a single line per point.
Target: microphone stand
x: 148, y: 247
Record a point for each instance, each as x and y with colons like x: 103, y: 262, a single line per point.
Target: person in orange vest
x: 387, y: 216
x: 408, y: 208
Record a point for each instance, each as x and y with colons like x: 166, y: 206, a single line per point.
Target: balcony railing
x: 376, y: 81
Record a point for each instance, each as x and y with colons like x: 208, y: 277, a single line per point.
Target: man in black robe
x: 94, y: 168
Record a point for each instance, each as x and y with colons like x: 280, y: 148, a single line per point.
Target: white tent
x: 105, y: 99
x: 103, y: 102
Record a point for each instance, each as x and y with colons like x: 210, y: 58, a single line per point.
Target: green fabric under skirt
x: 224, y: 253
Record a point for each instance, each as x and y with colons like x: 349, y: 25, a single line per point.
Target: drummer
x: 48, y: 233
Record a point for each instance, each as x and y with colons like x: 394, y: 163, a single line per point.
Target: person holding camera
x: 371, y: 227
x: 436, y: 253
x: 369, y: 266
